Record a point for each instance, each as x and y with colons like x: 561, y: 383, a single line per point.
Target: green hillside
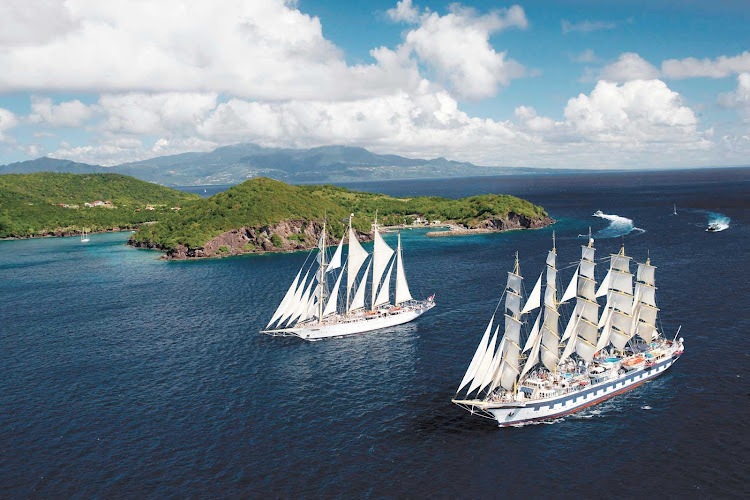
x: 30, y: 204
x: 261, y: 202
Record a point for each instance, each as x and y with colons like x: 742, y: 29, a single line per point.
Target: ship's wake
x: 716, y: 220
x: 618, y: 226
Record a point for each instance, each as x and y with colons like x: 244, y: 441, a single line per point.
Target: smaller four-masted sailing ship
x: 312, y: 311
x: 517, y: 378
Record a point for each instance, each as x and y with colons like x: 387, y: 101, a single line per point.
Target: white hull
x: 353, y: 326
x: 508, y: 414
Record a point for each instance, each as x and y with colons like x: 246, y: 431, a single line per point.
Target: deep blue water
x: 126, y: 375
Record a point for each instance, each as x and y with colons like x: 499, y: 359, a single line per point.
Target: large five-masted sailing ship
x: 545, y: 375
x: 311, y: 311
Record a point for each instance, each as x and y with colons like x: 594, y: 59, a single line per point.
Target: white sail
x: 646, y: 332
x: 402, y: 287
x: 302, y: 304
x: 533, y: 358
x: 481, y: 349
x: 513, y: 302
x: 604, y: 337
x: 551, y: 257
x: 357, y: 257
x: 570, y: 292
x: 310, y: 309
x: 620, y: 263
x: 549, y: 296
x: 534, y: 299
x: 622, y: 282
x: 570, y: 328
x: 585, y: 350
x: 587, y: 288
x: 648, y: 314
x: 287, y: 297
x: 336, y: 259
x: 586, y: 269
x: 333, y: 298
x: 293, y: 304
x: 604, y: 287
x: 381, y: 255
x: 618, y: 338
x: 497, y: 359
x: 534, y: 333
x: 646, y: 273
x: 485, y: 364
x: 384, y: 293
x: 587, y: 253
x: 514, y: 283
x: 645, y: 294
x: 569, y: 349
x: 623, y: 322
x: 550, y: 353
x: 621, y: 301
x: 512, y: 340
x: 607, y: 308
x: 358, y: 302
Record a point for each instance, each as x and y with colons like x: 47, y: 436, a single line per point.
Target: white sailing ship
x: 312, y: 311
x: 84, y: 236
x: 516, y: 378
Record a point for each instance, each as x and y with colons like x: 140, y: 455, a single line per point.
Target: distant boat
x: 715, y: 227
x: 675, y: 210
x: 316, y: 313
x: 84, y: 237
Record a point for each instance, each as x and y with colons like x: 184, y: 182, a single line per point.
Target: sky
x: 576, y: 84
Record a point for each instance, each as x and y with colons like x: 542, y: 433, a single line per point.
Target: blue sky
x: 584, y: 84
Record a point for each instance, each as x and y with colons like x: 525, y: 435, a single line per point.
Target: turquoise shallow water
x: 126, y: 375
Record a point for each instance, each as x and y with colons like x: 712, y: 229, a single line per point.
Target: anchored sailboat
x: 597, y: 357
x: 312, y: 311
x: 84, y: 236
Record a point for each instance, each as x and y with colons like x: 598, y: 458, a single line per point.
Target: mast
x: 644, y: 306
x: 347, y: 273
x: 510, y: 353
x: 381, y: 256
x: 620, y: 300
x: 322, y: 284
x: 550, y: 337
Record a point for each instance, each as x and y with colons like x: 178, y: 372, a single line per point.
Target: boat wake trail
x: 618, y: 226
x: 719, y: 221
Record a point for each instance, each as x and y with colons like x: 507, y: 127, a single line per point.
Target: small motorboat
x: 714, y: 227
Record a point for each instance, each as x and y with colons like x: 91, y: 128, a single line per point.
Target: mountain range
x: 239, y: 162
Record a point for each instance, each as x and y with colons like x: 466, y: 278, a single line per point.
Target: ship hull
x: 520, y: 413
x: 361, y: 325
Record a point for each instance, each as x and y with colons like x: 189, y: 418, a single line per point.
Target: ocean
x: 124, y: 375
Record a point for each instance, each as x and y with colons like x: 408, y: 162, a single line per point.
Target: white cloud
x: 140, y: 113
x: 404, y: 12
x: 457, y: 46
x: 27, y: 22
x: 260, y: 50
x: 585, y: 26
x: 586, y: 56
x: 639, y: 111
x: 8, y: 120
x: 630, y: 66
x: 66, y: 114
x: 740, y: 98
x: 636, y: 123
x: 721, y: 67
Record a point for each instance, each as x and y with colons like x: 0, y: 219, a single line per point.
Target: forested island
x: 264, y: 215
x: 55, y: 204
